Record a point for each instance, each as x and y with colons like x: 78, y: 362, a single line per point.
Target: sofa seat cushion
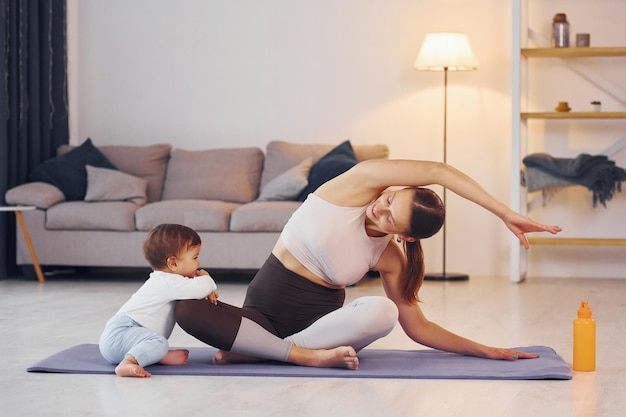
x: 82, y: 215
x: 262, y: 216
x: 200, y: 215
x: 218, y: 174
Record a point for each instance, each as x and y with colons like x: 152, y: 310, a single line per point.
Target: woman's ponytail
x: 413, y: 273
x: 427, y: 216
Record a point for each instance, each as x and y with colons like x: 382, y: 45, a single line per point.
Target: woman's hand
x: 508, y: 354
x: 520, y: 225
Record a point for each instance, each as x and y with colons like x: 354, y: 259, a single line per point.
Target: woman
x: 294, y: 310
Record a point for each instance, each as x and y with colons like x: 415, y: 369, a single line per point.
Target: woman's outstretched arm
x: 367, y: 179
x: 425, y: 332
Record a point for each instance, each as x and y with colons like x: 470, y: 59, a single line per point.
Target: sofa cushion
x: 38, y: 194
x: 81, y: 215
x: 105, y: 184
x: 262, y: 216
x: 219, y: 174
x: 147, y: 162
x: 336, y: 162
x: 67, y: 172
x: 281, y: 155
x: 289, y: 184
x: 200, y: 215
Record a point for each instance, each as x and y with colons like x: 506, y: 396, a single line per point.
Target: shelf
x: 564, y: 241
x: 582, y: 52
x: 575, y: 115
x: 573, y: 58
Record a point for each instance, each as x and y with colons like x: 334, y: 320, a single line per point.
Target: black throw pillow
x: 336, y: 162
x: 67, y: 172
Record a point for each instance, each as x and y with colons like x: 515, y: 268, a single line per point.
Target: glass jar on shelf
x: 560, y: 31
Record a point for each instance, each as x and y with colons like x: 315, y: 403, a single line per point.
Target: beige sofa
x: 214, y: 191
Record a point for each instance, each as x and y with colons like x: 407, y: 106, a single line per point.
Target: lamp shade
x: 441, y: 51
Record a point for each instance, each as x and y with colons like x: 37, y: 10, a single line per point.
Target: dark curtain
x: 33, y: 99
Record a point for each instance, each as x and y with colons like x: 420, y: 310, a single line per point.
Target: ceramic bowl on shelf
x: 562, y: 107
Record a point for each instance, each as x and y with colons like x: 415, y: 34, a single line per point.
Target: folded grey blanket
x: 596, y: 172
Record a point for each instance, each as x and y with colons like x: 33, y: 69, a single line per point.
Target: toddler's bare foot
x: 223, y: 357
x: 175, y: 357
x: 130, y: 367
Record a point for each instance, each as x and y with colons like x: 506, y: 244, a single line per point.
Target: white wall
x: 205, y: 74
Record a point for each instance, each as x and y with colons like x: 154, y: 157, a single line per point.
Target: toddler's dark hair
x: 167, y: 240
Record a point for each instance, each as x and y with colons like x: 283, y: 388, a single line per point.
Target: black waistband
x: 290, y: 301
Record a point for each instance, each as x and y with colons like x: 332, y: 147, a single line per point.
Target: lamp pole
x: 445, y: 157
x: 444, y: 275
x: 446, y: 52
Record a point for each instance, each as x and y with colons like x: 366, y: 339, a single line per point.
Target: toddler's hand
x: 201, y: 272
x: 212, y: 297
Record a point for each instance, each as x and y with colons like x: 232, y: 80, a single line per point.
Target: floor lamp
x: 446, y: 52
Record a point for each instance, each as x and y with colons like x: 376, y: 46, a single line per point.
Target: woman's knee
x: 382, y: 311
x: 387, y: 312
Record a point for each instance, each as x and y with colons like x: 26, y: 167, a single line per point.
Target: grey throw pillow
x: 289, y: 184
x: 111, y: 185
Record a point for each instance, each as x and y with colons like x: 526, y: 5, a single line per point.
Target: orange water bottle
x: 584, y: 340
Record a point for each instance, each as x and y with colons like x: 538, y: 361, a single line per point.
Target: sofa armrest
x: 38, y: 194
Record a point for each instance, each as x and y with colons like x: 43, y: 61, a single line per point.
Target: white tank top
x: 331, y: 241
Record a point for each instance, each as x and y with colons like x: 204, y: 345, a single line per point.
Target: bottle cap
x: 584, y: 311
x: 560, y: 17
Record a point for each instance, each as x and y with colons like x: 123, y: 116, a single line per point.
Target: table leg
x: 29, y: 244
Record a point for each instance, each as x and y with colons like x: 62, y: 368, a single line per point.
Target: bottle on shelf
x: 560, y: 31
x: 584, y: 340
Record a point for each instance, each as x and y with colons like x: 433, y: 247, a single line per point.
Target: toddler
x: 136, y: 336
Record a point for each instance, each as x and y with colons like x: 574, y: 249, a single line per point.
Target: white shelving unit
x: 520, y: 119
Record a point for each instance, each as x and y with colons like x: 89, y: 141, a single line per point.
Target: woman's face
x: 390, y: 213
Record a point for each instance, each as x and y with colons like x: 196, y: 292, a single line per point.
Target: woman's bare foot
x: 130, y: 367
x: 341, y: 357
x: 175, y: 357
x: 223, y: 357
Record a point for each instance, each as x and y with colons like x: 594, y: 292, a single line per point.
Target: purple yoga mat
x: 373, y: 363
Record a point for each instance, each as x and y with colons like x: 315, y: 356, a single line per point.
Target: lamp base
x: 448, y: 276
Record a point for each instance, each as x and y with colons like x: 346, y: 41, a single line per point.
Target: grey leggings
x: 282, y: 308
x: 124, y: 336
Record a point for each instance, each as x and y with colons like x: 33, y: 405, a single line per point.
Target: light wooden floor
x: 38, y: 320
